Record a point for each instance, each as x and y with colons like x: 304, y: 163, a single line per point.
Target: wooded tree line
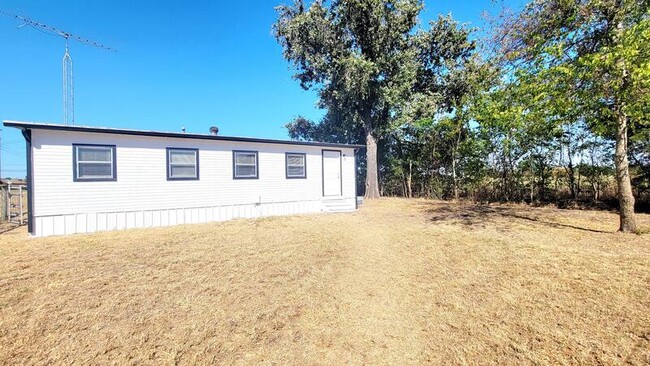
x: 551, y: 105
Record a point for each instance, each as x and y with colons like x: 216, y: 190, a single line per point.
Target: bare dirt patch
x: 397, y: 282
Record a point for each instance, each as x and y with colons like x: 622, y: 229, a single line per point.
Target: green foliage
x: 588, y: 59
x: 375, y: 73
x: 566, y: 64
x: 536, y: 122
x: 357, y: 54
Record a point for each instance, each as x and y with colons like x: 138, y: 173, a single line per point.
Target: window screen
x: 182, y: 164
x: 296, y: 165
x: 94, y: 162
x: 245, y: 165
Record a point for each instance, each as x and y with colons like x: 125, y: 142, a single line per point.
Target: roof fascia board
x: 89, y: 129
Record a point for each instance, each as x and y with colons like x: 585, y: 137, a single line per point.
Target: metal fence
x: 13, y: 203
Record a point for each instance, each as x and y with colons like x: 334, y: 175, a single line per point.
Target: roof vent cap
x: 214, y: 130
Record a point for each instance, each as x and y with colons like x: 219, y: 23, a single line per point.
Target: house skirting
x: 89, y: 222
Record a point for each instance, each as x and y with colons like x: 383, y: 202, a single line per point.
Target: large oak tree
x: 358, y: 54
x: 592, y: 62
x: 371, y: 65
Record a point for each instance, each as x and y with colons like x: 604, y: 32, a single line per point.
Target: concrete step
x: 338, y: 205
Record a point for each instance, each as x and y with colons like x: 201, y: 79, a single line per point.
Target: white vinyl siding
x: 93, y: 162
x: 142, y: 196
x: 182, y: 164
x: 296, y: 165
x: 245, y: 165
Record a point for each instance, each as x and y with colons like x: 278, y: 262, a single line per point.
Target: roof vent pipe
x: 214, y: 130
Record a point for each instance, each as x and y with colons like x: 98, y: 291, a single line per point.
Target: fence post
x: 8, y: 202
x: 20, y: 192
x: 2, y: 203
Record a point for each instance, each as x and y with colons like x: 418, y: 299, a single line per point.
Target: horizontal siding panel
x: 142, y: 196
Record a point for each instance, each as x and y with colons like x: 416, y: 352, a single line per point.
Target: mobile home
x: 85, y: 179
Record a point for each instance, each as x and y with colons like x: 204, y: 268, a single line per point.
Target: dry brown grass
x: 397, y: 282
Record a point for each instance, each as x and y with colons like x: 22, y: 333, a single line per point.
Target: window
x: 182, y: 164
x: 245, y: 164
x: 296, y: 165
x: 93, y: 162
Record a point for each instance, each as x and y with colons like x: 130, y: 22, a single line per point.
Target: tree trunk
x: 454, y: 178
x: 627, y: 222
x: 506, y: 181
x: 532, y: 184
x: 454, y: 174
x: 578, y: 182
x: 570, y: 171
x: 625, y: 195
x: 409, y: 180
x: 542, y: 187
x: 372, y: 180
x: 596, y: 176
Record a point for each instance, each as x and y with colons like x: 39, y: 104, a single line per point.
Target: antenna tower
x: 68, y: 87
x: 68, y: 74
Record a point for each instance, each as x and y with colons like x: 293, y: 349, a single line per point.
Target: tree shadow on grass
x: 476, y: 215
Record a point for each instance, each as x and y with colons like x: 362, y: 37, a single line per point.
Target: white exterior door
x: 331, y: 173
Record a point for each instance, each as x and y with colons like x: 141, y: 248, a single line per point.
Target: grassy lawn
x: 397, y: 282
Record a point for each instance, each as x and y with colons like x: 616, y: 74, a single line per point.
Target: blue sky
x: 192, y: 64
